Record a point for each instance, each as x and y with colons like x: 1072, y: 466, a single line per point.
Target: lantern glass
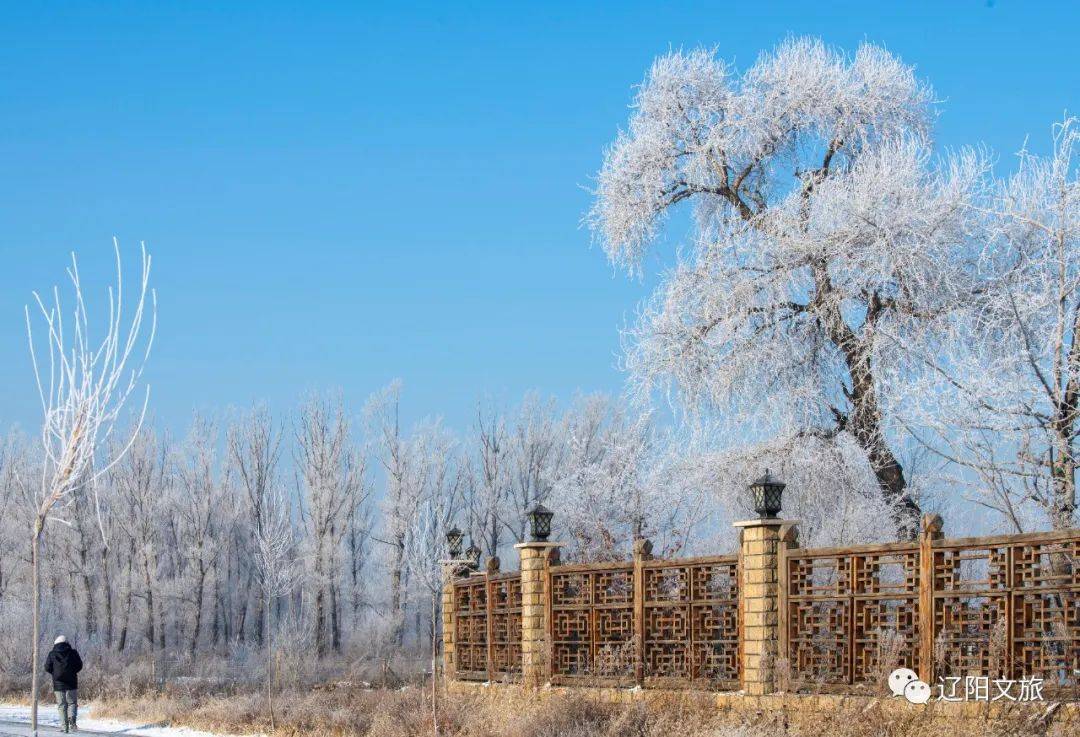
x: 454, y: 539
x: 540, y: 523
x: 768, y: 493
x: 473, y: 556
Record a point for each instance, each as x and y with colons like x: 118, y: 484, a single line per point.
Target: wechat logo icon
x: 905, y: 682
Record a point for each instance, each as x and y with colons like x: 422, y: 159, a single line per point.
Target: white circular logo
x: 900, y: 678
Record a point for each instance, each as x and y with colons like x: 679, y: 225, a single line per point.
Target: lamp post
x: 767, y: 492
x: 540, y: 523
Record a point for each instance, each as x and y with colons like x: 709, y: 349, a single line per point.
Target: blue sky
x: 339, y: 194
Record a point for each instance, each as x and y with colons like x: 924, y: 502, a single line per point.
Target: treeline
x: 165, y: 553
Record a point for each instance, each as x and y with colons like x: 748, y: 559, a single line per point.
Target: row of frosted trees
x: 174, y: 548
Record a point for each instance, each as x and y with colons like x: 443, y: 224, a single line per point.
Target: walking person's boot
x: 74, y: 715
x: 62, y: 708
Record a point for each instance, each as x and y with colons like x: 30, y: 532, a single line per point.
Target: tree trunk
x: 335, y: 621
x: 127, y: 598
x: 320, y: 613
x: 151, y: 636
x: 215, y: 626
x: 107, y: 594
x: 864, y: 419
x: 396, y: 599
x: 162, y: 629
x: 259, y: 622
x: 354, y: 572
x: 269, y: 664
x: 1063, y: 500
x: 196, y: 627
x: 35, y: 650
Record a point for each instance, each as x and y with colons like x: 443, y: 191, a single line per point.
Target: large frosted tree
x: 823, y: 229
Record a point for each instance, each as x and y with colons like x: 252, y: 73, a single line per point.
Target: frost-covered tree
x: 201, y: 488
x: 537, y: 451
x: 333, y: 486
x: 273, y: 555
x: 401, y: 497
x: 254, y: 449
x: 1003, y: 390
x: 83, y: 385
x: 490, y: 488
x: 822, y: 224
x: 616, y: 484
x: 416, y: 465
x: 141, y: 484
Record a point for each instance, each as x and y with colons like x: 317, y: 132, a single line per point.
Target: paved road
x: 21, y: 729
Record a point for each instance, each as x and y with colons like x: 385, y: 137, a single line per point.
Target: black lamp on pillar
x: 472, y: 554
x: 454, y: 539
x: 540, y: 523
x: 767, y: 492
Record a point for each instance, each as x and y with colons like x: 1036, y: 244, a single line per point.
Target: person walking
x: 64, y: 664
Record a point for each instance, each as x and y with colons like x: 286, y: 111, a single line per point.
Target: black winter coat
x: 64, y: 664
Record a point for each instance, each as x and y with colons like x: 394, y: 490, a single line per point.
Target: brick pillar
x: 450, y: 570
x: 759, y: 601
x: 535, y: 559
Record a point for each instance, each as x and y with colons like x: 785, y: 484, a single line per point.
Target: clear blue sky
x: 339, y: 194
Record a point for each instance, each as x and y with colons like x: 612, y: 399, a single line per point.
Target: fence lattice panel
x: 592, y: 622
x: 505, y: 600
x: 470, y: 628
x: 1008, y: 608
x: 847, y: 611
x: 487, y: 627
x: 691, y: 627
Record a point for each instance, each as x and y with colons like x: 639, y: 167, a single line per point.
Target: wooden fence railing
x: 1002, y: 607
x: 654, y: 622
x: 691, y: 622
x: 827, y: 619
x: 487, y: 626
x: 591, y: 626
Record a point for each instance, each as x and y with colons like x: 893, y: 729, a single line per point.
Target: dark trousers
x: 67, y: 702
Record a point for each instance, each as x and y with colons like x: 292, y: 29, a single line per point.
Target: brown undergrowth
x: 356, y: 712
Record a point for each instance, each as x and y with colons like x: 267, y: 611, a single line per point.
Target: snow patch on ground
x: 47, y: 716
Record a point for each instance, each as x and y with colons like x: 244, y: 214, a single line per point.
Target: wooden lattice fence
x: 592, y: 622
x: 691, y: 622
x: 655, y: 622
x: 824, y: 619
x: 487, y: 627
x: 1001, y: 607
x: 470, y: 628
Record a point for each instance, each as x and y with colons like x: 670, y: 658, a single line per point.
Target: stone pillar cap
x: 537, y: 545
x: 766, y: 522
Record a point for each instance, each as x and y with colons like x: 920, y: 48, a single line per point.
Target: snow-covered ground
x: 47, y: 716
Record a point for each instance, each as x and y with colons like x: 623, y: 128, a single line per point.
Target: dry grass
x: 498, y: 712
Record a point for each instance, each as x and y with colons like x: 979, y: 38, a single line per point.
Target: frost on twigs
x: 1001, y: 401
x: 83, y: 383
